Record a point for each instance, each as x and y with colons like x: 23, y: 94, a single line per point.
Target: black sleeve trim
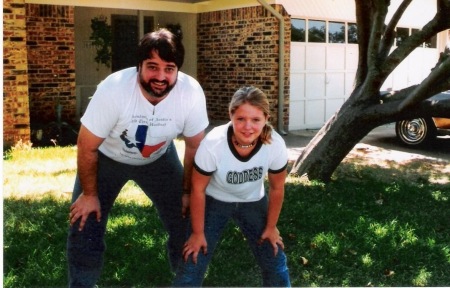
x: 279, y: 170
x: 203, y: 172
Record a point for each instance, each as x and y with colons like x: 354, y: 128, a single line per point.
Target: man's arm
x: 87, y: 161
x: 191, y: 146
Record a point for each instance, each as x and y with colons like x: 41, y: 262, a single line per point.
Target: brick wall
x: 240, y: 47
x: 51, y: 62
x: 38, y: 67
x: 16, y: 120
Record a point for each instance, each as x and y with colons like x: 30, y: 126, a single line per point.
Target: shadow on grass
x: 35, y: 245
x: 358, y: 230
x: 371, y: 226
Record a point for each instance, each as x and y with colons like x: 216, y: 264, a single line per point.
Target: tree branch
x: 381, y: 9
x: 440, y: 22
x: 389, y: 32
x: 443, y: 8
x: 439, y: 74
x: 387, y: 112
x: 364, y: 21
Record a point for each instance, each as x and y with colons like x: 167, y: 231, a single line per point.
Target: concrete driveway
x: 382, y: 137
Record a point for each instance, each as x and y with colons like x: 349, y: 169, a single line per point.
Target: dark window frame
x: 300, y: 31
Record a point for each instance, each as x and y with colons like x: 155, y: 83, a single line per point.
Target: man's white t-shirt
x: 234, y: 178
x: 137, y: 132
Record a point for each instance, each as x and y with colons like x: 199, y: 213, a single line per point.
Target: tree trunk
x: 354, y: 121
x: 332, y: 143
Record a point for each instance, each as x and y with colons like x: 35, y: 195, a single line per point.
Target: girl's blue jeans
x: 161, y: 181
x: 251, y: 219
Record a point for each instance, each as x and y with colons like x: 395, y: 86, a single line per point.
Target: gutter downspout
x: 280, y: 66
x: 140, y: 15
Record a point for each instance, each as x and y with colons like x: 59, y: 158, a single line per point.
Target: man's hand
x: 83, y: 207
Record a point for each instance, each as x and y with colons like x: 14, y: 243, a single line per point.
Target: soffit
x: 322, y: 9
x: 185, y: 6
x: 418, y: 13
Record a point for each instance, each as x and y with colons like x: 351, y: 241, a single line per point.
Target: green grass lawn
x: 371, y: 226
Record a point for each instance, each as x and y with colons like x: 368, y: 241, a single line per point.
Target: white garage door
x: 413, y: 69
x: 322, y: 77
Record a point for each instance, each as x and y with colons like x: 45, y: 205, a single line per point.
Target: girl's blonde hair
x: 255, y: 97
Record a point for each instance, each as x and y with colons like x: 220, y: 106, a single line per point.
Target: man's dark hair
x: 165, y: 43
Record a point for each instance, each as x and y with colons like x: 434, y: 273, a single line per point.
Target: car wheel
x: 416, y: 131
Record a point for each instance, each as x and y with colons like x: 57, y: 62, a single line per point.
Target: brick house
x: 49, y: 56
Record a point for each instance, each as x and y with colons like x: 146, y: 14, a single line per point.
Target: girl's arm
x: 276, y: 197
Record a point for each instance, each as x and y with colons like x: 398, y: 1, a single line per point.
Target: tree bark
x: 332, y: 143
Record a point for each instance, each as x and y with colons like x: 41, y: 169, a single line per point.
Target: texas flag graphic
x: 141, y: 137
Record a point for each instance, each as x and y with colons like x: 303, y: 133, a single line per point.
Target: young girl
x: 228, y: 183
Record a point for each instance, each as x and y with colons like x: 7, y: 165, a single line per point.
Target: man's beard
x: 148, y: 88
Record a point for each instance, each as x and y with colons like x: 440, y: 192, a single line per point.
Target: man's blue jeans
x: 162, y: 183
x: 251, y: 219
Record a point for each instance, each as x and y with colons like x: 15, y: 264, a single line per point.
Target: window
x: 431, y: 43
x: 298, y: 27
x: 125, y: 31
x: 316, y: 31
x: 336, y: 32
x: 413, y: 30
x: 402, y: 34
x: 352, y: 33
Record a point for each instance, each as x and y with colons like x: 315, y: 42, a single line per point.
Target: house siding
x: 239, y: 47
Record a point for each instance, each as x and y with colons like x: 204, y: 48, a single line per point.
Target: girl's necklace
x: 244, y: 146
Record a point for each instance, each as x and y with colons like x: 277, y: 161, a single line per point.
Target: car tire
x: 416, y: 132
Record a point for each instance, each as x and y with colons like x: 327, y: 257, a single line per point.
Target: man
x: 126, y: 134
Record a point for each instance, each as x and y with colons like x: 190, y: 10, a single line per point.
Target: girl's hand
x: 193, y: 245
x: 273, y: 236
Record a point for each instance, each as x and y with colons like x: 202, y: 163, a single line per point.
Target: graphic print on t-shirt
x: 139, y: 142
x: 248, y: 175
